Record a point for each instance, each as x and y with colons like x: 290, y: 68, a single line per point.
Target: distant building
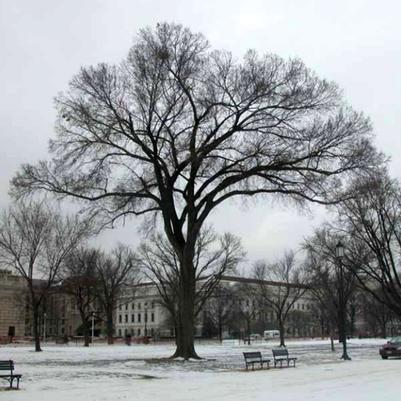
x: 145, y: 315
x: 12, y: 305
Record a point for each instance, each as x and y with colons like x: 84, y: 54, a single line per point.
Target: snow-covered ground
x: 141, y: 372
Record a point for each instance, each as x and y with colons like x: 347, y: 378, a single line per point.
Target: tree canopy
x: 177, y: 128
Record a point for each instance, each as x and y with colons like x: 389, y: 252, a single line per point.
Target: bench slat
x: 9, y: 365
x: 255, y: 357
x: 280, y: 355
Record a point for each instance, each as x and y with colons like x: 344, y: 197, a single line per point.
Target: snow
x: 142, y: 372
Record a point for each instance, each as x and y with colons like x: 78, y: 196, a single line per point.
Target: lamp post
x: 341, y: 301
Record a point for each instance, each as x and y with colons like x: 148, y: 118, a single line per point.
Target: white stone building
x: 142, y: 314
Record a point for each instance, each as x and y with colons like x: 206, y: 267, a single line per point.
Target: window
x: 152, y: 317
x: 126, y: 318
x: 153, y: 304
x: 120, y: 318
x: 120, y: 307
x: 119, y: 332
x: 126, y: 306
x: 139, y: 305
x: 139, y: 332
x: 139, y: 318
x: 132, y: 318
x: 133, y: 305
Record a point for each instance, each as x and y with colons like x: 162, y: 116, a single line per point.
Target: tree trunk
x: 331, y: 337
x: 110, y: 326
x: 186, y: 319
x: 282, y: 334
x: 85, y: 327
x: 322, y: 328
x: 383, y: 330
x: 248, y: 330
x: 35, y: 325
x: 220, y: 332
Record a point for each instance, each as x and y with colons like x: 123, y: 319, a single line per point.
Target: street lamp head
x: 339, y: 250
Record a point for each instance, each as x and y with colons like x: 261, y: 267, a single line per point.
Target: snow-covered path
x: 139, y: 372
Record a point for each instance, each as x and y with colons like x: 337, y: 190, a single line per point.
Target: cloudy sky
x: 44, y: 42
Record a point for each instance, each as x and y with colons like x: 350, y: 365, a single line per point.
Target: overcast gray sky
x: 43, y: 43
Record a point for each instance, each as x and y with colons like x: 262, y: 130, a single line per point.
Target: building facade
x: 144, y: 314
x: 12, y: 306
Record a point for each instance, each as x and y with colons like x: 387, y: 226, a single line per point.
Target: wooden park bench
x: 9, y: 366
x: 255, y: 357
x: 280, y: 355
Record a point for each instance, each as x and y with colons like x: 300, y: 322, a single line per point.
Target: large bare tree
x: 35, y: 241
x: 213, y: 257
x: 177, y: 129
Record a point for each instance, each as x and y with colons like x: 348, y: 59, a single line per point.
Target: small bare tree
x: 246, y: 307
x: 371, y: 222
x: 213, y: 257
x: 35, y: 241
x: 80, y: 281
x: 377, y: 314
x: 117, y: 273
x: 280, y: 285
x: 220, y: 307
x: 333, y: 282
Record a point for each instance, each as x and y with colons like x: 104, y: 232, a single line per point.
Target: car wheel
x: 384, y: 356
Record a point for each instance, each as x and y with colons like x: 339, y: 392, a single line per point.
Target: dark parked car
x: 391, y: 348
